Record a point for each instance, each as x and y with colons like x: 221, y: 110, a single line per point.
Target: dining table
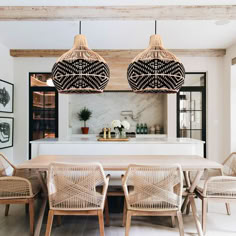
x: 188, y: 163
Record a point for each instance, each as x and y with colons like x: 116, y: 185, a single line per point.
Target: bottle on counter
x: 152, y: 130
x: 158, y: 129
x: 104, y: 133
x: 141, y: 128
x: 145, y: 129
x: 137, y: 129
x: 109, y: 133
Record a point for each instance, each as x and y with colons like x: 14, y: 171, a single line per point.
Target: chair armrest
x: 15, y: 187
x: 124, y: 186
x: 206, y: 174
x: 105, y: 186
x: 122, y: 178
x: 220, y: 186
x: 26, y: 173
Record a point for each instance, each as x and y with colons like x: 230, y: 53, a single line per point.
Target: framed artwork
x: 6, y: 96
x: 6, y: 132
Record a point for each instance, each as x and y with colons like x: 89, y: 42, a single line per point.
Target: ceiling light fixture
x: 156, y: 70
x: 80, y: 70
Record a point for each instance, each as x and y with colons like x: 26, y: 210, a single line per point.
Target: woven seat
x: 76, y: 190
x: 153, y: 190
x: 219, y: 187
x: 18, y: 186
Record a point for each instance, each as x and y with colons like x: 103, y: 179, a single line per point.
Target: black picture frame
x: 6, y: 135
x: 6, y: 96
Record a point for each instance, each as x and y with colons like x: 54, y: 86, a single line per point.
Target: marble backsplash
x: 108, y: 106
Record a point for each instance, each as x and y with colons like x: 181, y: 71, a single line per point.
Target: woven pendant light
x: 156, y: 70
x: 80, y: 70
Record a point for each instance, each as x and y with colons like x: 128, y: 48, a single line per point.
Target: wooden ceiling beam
x: 114, y: 54
x: 68, y: 13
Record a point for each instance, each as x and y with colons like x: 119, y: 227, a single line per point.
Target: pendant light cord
x: 79, y: 27
x: 155, y: 26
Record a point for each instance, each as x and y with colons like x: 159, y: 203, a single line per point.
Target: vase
x: 123, y: 134
x: 120, y: 133
x: 117, y: 133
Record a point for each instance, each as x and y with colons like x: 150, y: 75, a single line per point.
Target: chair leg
x: 181, y: 224
x: 173, y: 221
x: 49, y: 223
x: 58, y: 220
x: 7, y: 209
x: 124, y: 213
x: 204, y: 214
x: 228, y: 208
x: 128, y: 223
x: 107, y: 218
x: 26, y: 208
x: 31, y: 214
x: 101, y: 222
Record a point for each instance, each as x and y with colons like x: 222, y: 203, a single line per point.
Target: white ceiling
x: 117, y: 34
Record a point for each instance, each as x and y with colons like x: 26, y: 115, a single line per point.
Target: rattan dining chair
x: 153, y: 190
x: 76, y: 190
x: 18, y: 187
x: 219, y: 188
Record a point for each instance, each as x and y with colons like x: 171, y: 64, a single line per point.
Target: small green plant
x: 84, y: 115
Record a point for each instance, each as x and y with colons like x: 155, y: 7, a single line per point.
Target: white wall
x: 229, y: 100
x: 6, y: 73
x: 215, y: 103
x: 108, y: 106
x: 233, y: 108
x: 22, y: 67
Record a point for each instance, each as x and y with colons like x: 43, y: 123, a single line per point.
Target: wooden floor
x: 218, y: 224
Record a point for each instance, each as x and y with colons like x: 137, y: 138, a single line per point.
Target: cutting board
x: 113, y: 140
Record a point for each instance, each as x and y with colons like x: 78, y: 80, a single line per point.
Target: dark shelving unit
x: 43, y: 108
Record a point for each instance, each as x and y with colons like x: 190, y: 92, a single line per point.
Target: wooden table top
x: 117, y: 163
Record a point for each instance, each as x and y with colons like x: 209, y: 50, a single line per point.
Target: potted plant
x: 84, y: 115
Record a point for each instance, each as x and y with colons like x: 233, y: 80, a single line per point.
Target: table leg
x: 185, y: 203
x: 43, y: 207
x: 40, y: 218
x: 190, y: 197
x: 42, y: 182
x: 195, y: 215
x: 191, y: 189
x: 186, y: 177
x: 186, y: 200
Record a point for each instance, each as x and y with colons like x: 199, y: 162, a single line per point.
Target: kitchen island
x: 140, y: 145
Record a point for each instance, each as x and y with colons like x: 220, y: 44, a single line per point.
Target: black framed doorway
x: 191, y: 108
x: 43, y: 108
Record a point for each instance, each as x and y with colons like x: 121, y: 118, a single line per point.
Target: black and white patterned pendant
x: 80, y: 70
x: 156, y: 70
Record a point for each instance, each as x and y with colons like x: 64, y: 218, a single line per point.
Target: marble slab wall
x: 108, y: 106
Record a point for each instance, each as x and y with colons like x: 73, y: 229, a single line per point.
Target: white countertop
x: 140, y: 139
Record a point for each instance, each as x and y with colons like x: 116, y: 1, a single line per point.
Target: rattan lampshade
x: 80, y: 70
x: 156, y: 70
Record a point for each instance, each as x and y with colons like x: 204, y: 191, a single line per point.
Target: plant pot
x: 85, y: 130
